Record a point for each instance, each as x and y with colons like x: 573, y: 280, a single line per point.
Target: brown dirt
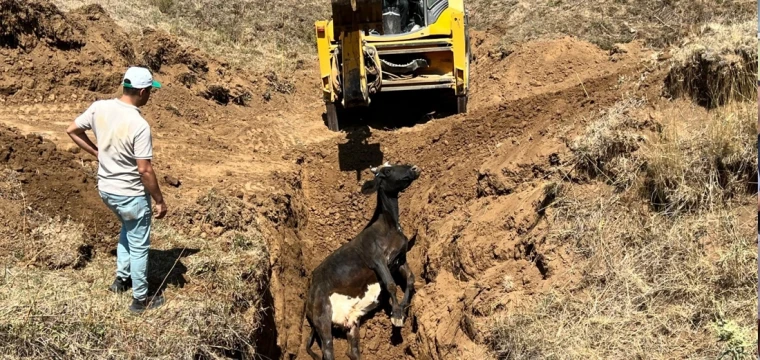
x: 84, y: 49
x: 538, y: 67
x: 476, y: 216
x: 56, y: 182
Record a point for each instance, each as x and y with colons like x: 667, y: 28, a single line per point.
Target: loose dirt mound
x: 79, y: 50
x: 24, y: 24
x: 542, y: 66
x: 47, y: 53
x: 56, y: 183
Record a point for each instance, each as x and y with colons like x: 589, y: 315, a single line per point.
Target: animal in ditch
x: 349, y: 281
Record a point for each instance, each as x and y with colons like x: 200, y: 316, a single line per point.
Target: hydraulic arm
x: 352, y: 19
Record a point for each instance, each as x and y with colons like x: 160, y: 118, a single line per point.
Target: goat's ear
x: 369, y: 187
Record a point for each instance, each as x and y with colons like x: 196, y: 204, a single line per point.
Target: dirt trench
x: 475, y: 217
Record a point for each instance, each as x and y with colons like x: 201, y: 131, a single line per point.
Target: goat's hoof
x: 397, y: 322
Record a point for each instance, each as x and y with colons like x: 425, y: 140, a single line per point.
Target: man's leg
x: 138, y: 237
x: 138, y: 242
x: 122, y: 254
x: 122, y: 281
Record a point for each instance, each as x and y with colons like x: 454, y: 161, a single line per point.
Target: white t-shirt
x: 123, y: 136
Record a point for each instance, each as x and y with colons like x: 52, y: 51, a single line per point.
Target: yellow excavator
x: 373, y: 46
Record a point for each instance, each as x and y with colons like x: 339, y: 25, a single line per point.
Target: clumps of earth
x: 47, y: 51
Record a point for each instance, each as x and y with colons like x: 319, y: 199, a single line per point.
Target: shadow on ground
x: 165, y: 268
x: 387, y: 111
x: 390, y: 111
x: 357, y: 154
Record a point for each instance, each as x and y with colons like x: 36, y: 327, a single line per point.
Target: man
x: 401, y: 16
x: 415, y: 17
x: 126, y: 180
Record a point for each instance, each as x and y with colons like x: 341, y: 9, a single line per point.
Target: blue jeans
x: 134, y: 213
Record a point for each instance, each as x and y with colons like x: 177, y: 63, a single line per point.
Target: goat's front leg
x: 353, y: 340
x: 406, y: 272
x: 397, y: 315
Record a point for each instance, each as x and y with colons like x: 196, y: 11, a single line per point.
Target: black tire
x: 462, y: 99
x: 332, y: 116
x: 462, y: 104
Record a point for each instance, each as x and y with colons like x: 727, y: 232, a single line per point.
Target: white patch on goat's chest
x: 346, y: 310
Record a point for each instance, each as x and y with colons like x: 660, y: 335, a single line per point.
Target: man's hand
x: 81, y: 139
x: 148, y: 177
x: 160, y: 210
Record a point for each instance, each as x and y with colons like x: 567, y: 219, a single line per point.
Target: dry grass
x: 670, y: 274
x: 652, y: 286
x: 604, y: 149
x: 58, y: 244
x: 605, y: 22
x: 69, y: 314
x: 718, y: 41
x: 216, y: 293
x: 258, y: 34
x: 716, y: 65
x: 703, y: 162
x: 693, y: 160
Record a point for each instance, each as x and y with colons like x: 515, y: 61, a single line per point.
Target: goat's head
x: 391, y: 179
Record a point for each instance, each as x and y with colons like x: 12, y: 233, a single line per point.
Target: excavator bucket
x: 352, y: 19
x: 355, y: 92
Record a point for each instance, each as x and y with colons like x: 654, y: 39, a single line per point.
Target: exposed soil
x: 56, y: 182
x: 475, y: 216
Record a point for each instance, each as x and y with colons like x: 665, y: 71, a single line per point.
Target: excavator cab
x: 373, y: 46
x: 402, y: 16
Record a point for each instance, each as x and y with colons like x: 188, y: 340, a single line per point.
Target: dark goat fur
x: 354, y: 271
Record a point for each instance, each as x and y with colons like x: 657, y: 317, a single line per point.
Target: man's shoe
x: 120, y: 285
x: 150, y: 302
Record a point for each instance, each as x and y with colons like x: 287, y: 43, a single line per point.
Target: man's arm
x: 81, y: 139
x: 148, y: 178
x: 143, y: 148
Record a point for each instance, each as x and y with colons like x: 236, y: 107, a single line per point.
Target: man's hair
x: 131, y: 91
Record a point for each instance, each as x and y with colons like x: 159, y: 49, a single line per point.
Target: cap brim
x: 155, y: 85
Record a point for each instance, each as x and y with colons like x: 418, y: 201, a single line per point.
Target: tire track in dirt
x: 47, y: 119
